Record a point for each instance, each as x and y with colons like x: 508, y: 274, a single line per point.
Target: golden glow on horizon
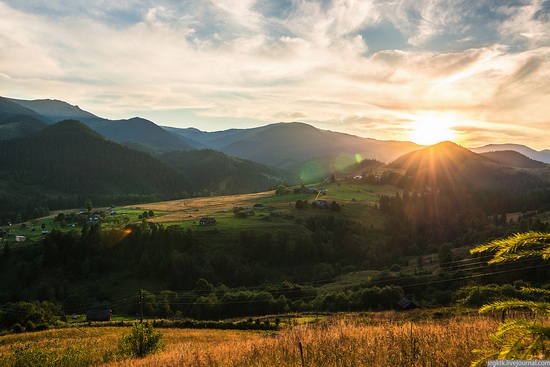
x: 432, y: 129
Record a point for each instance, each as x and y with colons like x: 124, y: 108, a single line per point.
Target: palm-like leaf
x: 517, y: 246
x: 519, y: 339
x: 539, y: 308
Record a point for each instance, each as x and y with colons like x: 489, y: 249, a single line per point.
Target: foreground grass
x: 335, y: 341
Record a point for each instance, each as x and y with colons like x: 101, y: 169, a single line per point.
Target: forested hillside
x: 222, y: 174
x: 62, y: 165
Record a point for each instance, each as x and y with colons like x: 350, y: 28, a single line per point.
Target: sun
x: 432, y: 129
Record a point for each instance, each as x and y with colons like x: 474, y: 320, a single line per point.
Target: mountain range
x: 452, y: 167
x: 282, y: 145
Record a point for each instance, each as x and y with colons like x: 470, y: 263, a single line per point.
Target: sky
x: 471, y: 71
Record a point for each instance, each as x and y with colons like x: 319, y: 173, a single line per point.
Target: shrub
x: 17, y: 328
x: 29, y: 326
x: 395, y: 268
x: 140, y: 342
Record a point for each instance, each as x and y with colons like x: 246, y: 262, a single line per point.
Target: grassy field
x: 358, y: 202
x: 384, y: 339
x: 187, y: 212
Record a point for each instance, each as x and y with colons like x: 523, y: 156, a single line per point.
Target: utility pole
x: 141, y: 305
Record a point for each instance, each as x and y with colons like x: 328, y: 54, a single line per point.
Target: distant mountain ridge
x: 541, y: 156
x: 55, y: 110
x: 136, y: 132
x: 513, y: 159
x: 448, y: 165
x: 284, y: 145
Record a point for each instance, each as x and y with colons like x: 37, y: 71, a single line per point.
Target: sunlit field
x: 382, y: 340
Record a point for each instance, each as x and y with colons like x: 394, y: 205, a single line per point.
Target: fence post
x: 301, y: 353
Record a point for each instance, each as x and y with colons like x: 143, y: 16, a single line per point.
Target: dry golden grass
x: 339, y: 341
x: 377, y: 340
x: 187, y: 209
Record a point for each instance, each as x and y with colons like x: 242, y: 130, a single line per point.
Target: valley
x: 258, y: 224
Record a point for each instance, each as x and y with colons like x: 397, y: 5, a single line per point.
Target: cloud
x: 527, y: 22
x: 285, y: 60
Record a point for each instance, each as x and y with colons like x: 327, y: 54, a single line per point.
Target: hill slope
x: 513, y: 159
x: 223, y: 174
x: 542, y: 156
x: 16, y: 120
x: 144, y: 132
x: 13, y: 126
x: 56, y: 110
x: 449, y: 165
x: 135, y: 132
x: 71, y: 158
x: 284, y: 144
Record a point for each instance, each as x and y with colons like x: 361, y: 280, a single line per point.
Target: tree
x: 282, y: 190
x: 519, y: 338
x: 88, y: 205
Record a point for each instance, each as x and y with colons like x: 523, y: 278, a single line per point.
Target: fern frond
x: 537, y: 307
x: 517, y: 246
x: 510, y: 349
x: 530, y: 290
x: 484, y: 356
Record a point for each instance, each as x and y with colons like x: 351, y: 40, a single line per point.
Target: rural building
x: 258, y: 206
x: 99, y: 315
x: 206, y: 221
x: 20, y: 238
x: 406, y: 304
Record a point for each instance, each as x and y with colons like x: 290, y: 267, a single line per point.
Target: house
x: 312, y: 190
x: 99, y: 315
x: 406, y: 304
x: 206, y: 221
x: 20, y: 238
x: 258, y: 206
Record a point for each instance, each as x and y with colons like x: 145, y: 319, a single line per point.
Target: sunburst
x: 432, y: 129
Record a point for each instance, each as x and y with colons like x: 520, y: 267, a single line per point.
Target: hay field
x: 191, y: 209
